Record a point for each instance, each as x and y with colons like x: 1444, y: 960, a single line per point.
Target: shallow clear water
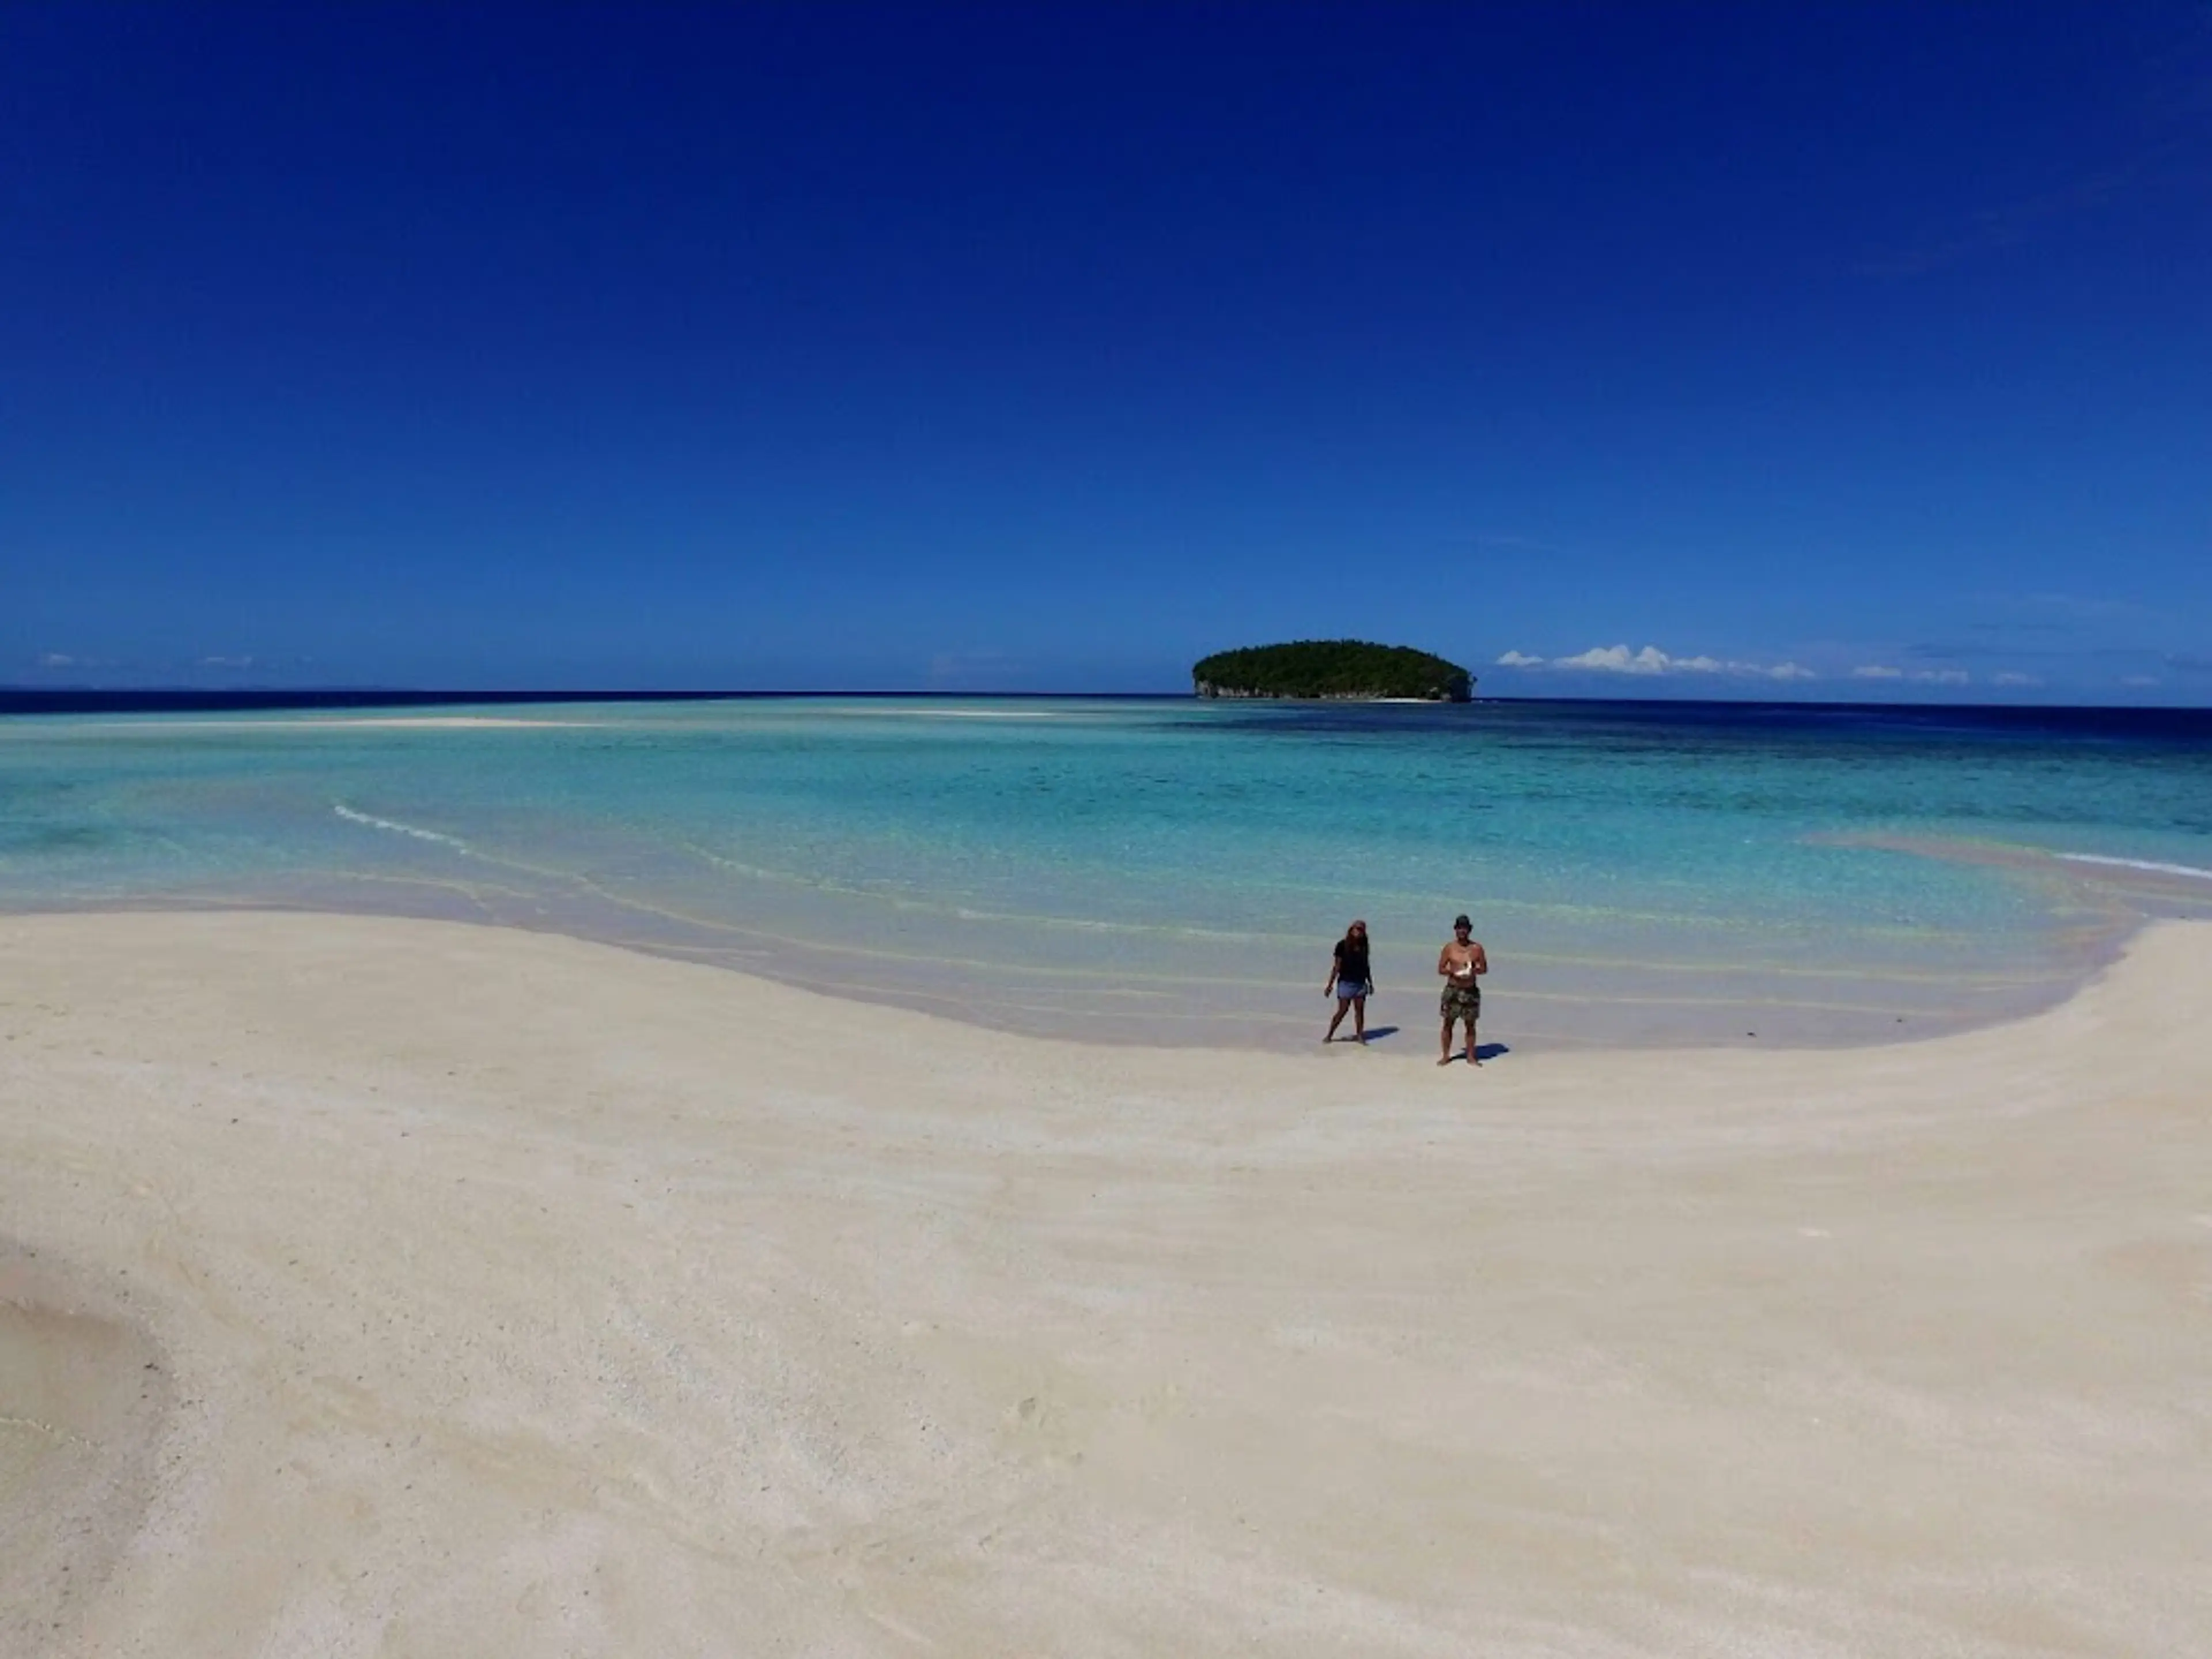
x: 1175, y: 871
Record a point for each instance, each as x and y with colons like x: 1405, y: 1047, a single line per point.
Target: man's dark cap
x: 1462, y: 921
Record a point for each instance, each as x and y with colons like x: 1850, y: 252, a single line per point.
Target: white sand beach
x: 407, y: 1289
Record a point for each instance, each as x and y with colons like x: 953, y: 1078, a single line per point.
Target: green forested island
x: 1331, y: 668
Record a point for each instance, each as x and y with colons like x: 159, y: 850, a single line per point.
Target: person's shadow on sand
x: 1484, y: 1051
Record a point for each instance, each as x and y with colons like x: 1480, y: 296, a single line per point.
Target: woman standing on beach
x: 1347, y: 977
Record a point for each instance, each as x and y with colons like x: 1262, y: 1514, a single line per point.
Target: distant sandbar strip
x: 375, y: 723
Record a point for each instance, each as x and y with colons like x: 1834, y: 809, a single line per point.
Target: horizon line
x: 26, y: 699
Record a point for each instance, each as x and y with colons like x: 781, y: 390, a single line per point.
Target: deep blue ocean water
x: 1175, y: 871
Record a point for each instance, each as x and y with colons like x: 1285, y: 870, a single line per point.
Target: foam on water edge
x: 397, y: 829
x: 2150, y: 865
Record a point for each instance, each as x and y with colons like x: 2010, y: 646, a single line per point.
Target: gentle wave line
x: 397, y: 829
x: 2151, y: 864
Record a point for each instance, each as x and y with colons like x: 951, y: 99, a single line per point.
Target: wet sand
x: 516, y: 1294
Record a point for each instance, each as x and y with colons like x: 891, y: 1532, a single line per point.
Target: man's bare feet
x: 1446, y: 1061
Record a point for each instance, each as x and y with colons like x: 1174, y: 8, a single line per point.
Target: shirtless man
x: 1460, y: 962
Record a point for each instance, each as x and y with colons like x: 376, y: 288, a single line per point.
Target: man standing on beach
x: 1461, y: 963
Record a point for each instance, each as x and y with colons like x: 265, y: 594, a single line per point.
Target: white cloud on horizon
x: 1652, y: 660
x: 1878, y: 671
x: 1618, y: 660
x: 2011, y: 678
x: 57, y: 659
x: 1519, y: 660
x: 226, y: 662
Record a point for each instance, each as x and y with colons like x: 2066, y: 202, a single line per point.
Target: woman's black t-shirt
x: 1352, y: 961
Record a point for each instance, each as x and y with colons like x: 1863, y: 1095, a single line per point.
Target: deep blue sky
x: 1040, y: 348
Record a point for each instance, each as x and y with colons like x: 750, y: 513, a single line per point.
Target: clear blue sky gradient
x: 835, y: 346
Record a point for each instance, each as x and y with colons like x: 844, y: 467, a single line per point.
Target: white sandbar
x: 141, y: 725
x: 519, y: 1295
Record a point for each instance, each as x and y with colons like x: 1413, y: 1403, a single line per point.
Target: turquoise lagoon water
x: 1172, y: 870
